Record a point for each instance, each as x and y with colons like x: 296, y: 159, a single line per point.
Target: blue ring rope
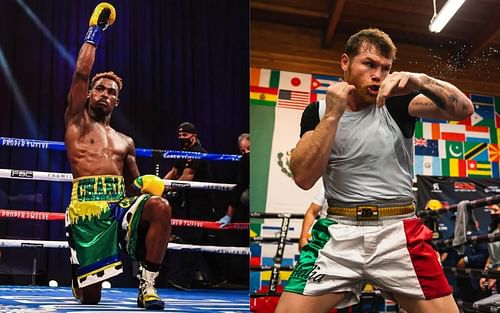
x: 142, y: 152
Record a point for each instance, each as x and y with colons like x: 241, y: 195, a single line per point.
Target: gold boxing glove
x: 150, y: 184
x: 103, y: 16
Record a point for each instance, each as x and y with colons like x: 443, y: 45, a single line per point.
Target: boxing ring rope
x: 468, y: 272
x: 265, y: 268
x: 471, y: 272
x: 142, y: 152
x: 473, y: 239
x: 472, y: 307
x: 273, y: 240
x: 274, y: 215
x: 156, y: 154
x: 471, y: 204
x: 68, y: 177
x: 57, y: 216
x: 29, y: 243
x: 278, y: 258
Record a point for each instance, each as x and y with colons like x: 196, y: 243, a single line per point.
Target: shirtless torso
x: 93, y: 146
x: 95, y: 149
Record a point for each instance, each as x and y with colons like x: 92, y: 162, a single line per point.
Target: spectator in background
x: 493, y: 248
x: 317, y: 208
x: 187, y: 268
x: 240, y: 195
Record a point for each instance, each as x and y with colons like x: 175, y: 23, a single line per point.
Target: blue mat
x: 46, y: 299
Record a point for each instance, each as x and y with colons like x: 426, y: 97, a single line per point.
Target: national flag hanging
x: 263, y: 96
x: 451, y: 149
x: 319, y: 85
x: 452, y: 132
x: 466, y: 121
x: 476, y: 151
x: 426, y: 147
x: 427, y: 165
x: 494, y: 134
x: 261, y: 77
x: 255, y: 230
x: 497, y: 119
x: 454, y: 167
x: 427, y: 130
x: 432, y: 120
x: 295, y: 81
x: 481, y: 99
x: 484, y: 115
x: 293, y: 99
x: 494, y: 153
x: 497, y: 106
x: 255, y: 260
x: 255, y: 254
x: 494, y: 170
x: 477, y: 133
x: 478, y: 169
x: 418, y: 130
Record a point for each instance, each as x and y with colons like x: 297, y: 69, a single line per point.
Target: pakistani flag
x: 451, y: 149
x: 275, y: 131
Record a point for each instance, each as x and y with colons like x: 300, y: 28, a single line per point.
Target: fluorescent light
x: 439, y: 21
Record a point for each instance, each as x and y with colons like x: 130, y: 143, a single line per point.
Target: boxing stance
x: 100, y: 218
x: 360, y: 141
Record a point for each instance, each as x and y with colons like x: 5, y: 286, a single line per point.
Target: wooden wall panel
x: 300, y: 50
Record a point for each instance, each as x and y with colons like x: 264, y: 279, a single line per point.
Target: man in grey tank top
x: 359, y: 139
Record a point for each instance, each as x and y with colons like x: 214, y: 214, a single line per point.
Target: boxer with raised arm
x: 100, y: 218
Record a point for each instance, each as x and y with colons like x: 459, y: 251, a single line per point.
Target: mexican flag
x: 277, y: 100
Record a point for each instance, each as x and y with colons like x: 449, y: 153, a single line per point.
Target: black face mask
x: 184, y: 142
x: 495, y: 220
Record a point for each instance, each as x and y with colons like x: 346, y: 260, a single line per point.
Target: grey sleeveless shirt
x: 371, y: 159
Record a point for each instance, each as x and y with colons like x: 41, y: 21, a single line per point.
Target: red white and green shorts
x: 393, y: 254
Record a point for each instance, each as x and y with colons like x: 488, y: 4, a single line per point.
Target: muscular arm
x: 79, y: 85
x: 310, y: 157
x: 440, y: 100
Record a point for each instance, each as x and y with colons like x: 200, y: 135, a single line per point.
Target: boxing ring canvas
x: 45, y: 299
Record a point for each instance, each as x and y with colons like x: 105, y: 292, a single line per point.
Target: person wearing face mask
x: 190, y: 268
x: 189, y: 169
x: 240, y: 195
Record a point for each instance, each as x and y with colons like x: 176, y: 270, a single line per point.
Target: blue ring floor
x: 45, y: 299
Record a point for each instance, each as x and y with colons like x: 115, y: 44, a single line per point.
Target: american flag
x: 293, y: 99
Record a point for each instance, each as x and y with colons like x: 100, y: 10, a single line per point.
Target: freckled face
x: 366, y: 71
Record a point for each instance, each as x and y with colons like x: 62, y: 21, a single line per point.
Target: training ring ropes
x: 282, y: 240
x: 157, y: 155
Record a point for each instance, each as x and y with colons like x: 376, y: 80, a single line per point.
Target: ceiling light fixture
x: 439, y: 21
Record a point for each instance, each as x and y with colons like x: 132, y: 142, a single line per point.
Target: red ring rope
x: 56, y: 216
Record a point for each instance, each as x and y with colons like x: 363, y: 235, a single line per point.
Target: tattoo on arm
x: 437, y: 95
x: 464, y: 106
x: 423, y: 104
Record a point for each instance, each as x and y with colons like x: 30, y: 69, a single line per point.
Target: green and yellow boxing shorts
x: 100, y: 219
